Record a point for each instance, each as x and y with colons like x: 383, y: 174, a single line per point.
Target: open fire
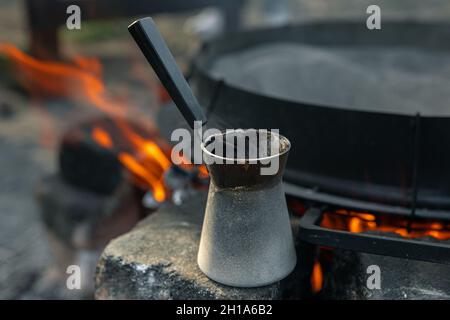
x: 352, y: 221
x: 145, y: 158
x: 360, y: 222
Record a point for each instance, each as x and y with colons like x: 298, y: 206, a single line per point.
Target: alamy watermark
x: 73, y: 21
x: 373, y: 22
x: 73, y: 281
x: 374, y: 279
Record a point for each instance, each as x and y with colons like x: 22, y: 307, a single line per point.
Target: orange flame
x: 203, y: 172
x: 141, y: 172
x: 83, y: 80
x: 80, y: 80
x: 362, y: 222
x: 357, y: 222
x: 316, y: 277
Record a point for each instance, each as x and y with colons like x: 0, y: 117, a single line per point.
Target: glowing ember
x: 316, y: 277
x: 203, y: 172
x: 102, y: 137
x: 82, y: 80
x: 362, y: 222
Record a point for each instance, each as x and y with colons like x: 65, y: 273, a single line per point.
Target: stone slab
x: 158, y: 260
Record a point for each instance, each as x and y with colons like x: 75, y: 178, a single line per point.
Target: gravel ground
x: 23, y: 249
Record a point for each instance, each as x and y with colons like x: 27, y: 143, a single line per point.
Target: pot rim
x: 243, y: 160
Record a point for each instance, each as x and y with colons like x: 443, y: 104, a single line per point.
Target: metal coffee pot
x: 246, y: 239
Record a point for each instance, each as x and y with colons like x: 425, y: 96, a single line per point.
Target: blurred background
x: 52, y: 79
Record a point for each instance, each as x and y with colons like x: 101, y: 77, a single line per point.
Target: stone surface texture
x: 158, y: 260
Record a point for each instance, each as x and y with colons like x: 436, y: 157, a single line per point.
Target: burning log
x: 94, y: 154
x: 86, y: 158
x: 90, y: 155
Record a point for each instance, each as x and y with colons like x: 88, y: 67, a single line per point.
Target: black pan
x: 377, y: 160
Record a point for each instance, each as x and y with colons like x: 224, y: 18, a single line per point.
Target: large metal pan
x: 396, y: 162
